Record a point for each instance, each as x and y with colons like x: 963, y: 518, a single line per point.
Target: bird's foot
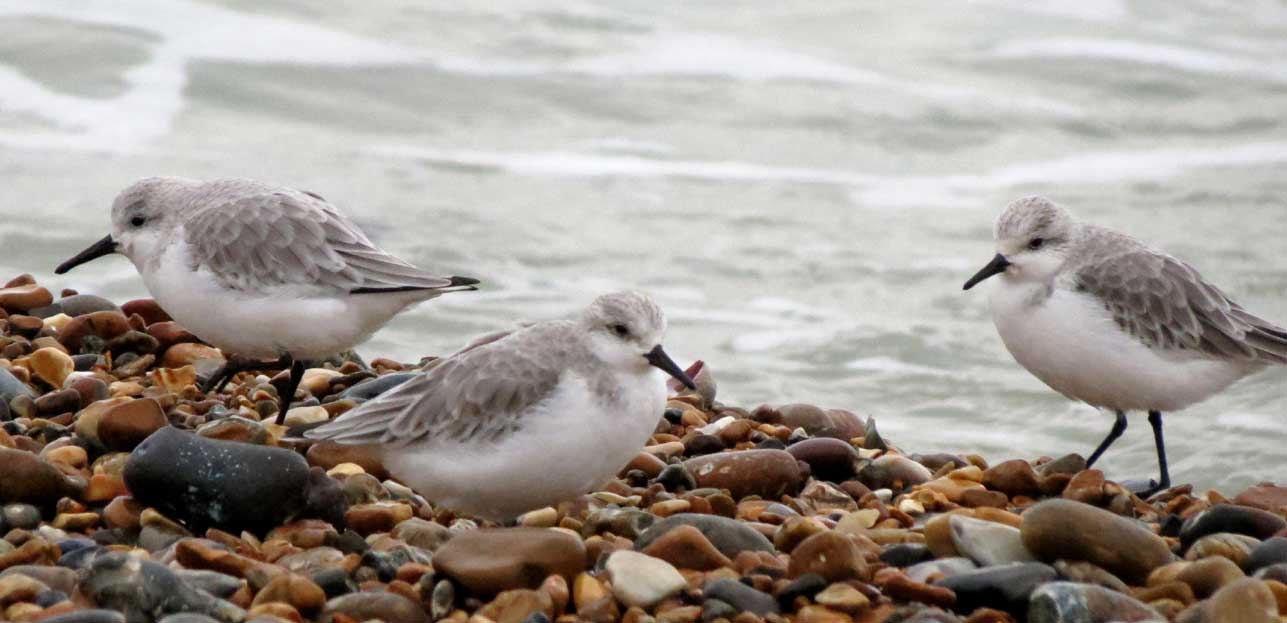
x: 1144, y: 489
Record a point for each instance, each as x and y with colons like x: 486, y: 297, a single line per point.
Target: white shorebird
x: 1101, y: 318
x: 523, y: 419
x: 260, y: 271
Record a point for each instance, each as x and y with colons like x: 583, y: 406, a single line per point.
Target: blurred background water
x: 804, y: 186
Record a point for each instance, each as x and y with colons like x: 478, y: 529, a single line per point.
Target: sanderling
x: 522, y: 419
x: 1101, y: 318
x: 260, y: 271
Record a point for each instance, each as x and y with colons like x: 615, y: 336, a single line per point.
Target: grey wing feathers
x: 286, y: 237
x: 1167, y: 304
x: 476, y: 394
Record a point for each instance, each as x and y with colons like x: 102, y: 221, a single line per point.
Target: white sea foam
x: 187, y: 31
x: 1170, y: 56
x: 870, y: 189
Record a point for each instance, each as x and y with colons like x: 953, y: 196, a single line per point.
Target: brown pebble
x: 830, y: 555
x: 489, y: 561
x: 127, y: 424
x: 328, y: 454
x: 26, y: 297
x: 196, y: 554
x: 1056, y: 528
x: 26, y: 326
x: 187, y: 354
x: 687, y: 548
x: 1246, y: 600
x: 896, y: 584
x: 300, y: 592
x: 1178, y: 591
x: 513, y: 606
x: 102, y: 324
x: 556, y: 586
x: 51, y: 366
x: 25, y: 477
x: 1209, y: 574
x: 122, y: 512
x: 821, y: 614
x: 766, y: 473
x: 377, y: 517
x: 646, y: 463
x: 35, y: 551
x: 148, y: 308
x: 1013, y: 477
x: 168, y: 333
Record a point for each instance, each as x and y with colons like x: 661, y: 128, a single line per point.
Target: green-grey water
x: 804, y: 186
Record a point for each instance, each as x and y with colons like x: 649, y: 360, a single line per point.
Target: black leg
x: 1164, y: 480
x: 296, y: 375
x: 1119, y: 427
x: 236, y: 364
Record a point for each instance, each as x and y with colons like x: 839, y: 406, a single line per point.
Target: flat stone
x: 766, y: 473
x: 89, y: 615
x: 11, y: 387
x: 81, y: 304
x: 142, y: 590
x: 1235, y: 547
x: 1003, y: 587
x: 1246, y: 601
x: 986, y: 542
x: 894, y: 471
x: 833, y: 556
x: 1206, y: 576
x: 57, y: 578
x: 687, y: 548
x: 208, y: 482
x: 1064, y: 529
x: 367, y: 390
x: 641, y: 580
x: 51, y: 366
x: 1069, y: 602
x: 488, y: 561
x: 1013, y: 477
x: 729, y: 536
x: 1265, y: 496
x: 1230, y: 518
x: 836, y: 423
x: 1269, y: 552
x: 25, y: 477
x: 742, y: 597
x: 24, y: 298
x: 377, y: 605
x: 518, y: 606
x: 126, y: 425
x: 828, y: 458
x: 300, y: 592
x: 104, y: 325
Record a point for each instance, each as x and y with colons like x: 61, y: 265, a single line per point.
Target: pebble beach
x: 128, y: 494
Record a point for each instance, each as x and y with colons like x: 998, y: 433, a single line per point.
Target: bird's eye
x: 620, y: 329
x: 138, y: 221
x: 1036, y: 243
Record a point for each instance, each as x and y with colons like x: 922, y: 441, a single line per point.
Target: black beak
x: 658, y: 357
x: 997, y: 265
x: 106, y: 246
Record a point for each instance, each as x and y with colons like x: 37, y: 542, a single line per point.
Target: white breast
x: 569, y: 444
x: 1070, y: 342
x: 266, y: 323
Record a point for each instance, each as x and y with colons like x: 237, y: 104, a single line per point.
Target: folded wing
x: 286, y: 237
x: 477, y: 394
x: 1167, y: 304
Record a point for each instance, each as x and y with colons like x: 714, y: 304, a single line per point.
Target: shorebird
x: 1101, y: 318
x: 260, y: 271
x: 522, y: 419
